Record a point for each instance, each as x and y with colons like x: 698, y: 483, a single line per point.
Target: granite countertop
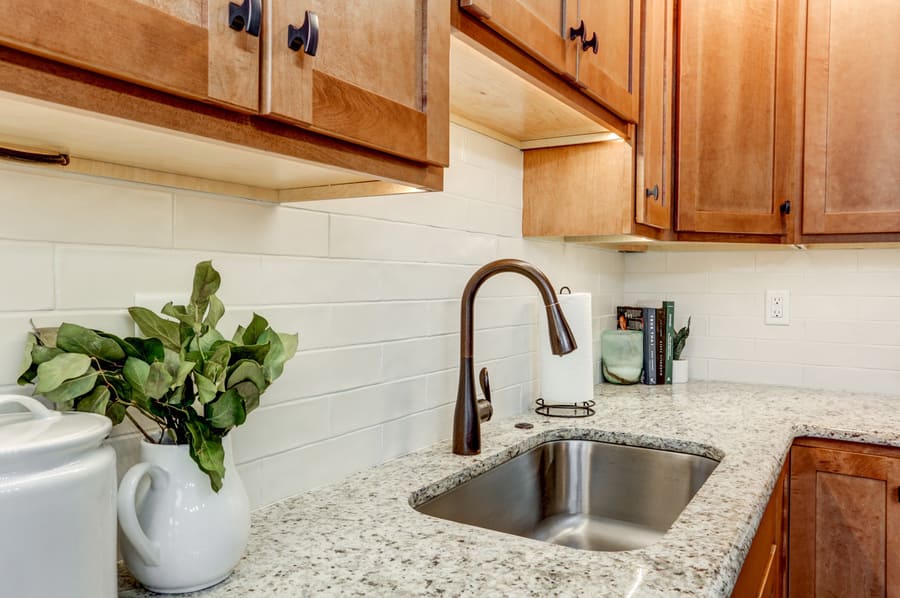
x: 362, y: 537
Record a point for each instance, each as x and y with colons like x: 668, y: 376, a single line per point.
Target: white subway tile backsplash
x: 278, y: 476
x: 76, y: 210
x: 208, y: 222
x: 280, y: 427
x: 364, y: 407
x: 377, y: 239
x: 313, y: 373
x: 490, y: 218
x: 417, y: 431
x: 27, y: 273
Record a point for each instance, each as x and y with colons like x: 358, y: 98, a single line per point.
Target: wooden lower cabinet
x: 764, y: 573
x: 845, y: 520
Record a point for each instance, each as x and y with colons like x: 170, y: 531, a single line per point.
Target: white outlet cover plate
x: 778, y: 308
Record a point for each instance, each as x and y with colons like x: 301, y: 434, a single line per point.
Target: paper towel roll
x: 569, y: 378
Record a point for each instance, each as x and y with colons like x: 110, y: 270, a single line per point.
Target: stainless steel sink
x: 579, y: 493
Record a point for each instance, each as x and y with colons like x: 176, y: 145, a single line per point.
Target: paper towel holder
x: 569, y: 410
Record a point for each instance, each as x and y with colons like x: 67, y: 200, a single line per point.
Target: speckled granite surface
x: 362, y: 537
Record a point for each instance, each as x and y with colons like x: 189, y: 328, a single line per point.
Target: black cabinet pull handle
x: 577, y: 31
x: 245, y: 17
x: 306, y: 36
x: 785, y: 208
x: 654, y: 193
x: 591, y: 43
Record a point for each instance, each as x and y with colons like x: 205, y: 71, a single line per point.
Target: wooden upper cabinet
x: 739, y: 114
x: 184, y: 47
x: 379, y: 76
x: 611, y: 74
x: 537, y: 26
x: 653, y: 149
x: 852, y: 148
x: 844, y: 521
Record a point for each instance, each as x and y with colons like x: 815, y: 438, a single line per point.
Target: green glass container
x: 622, y: 356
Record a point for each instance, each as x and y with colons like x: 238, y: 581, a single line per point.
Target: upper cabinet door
x: 540, y: 27
x: 653, y: 150
x: 609, y: 58
x: 373, y: 72
x: 852, y: 155
x: 185, y: 47
x: 739, y: 142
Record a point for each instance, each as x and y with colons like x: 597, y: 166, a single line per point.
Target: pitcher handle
x: 146, y: 548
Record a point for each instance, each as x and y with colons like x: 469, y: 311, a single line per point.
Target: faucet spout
x: 467, y: 416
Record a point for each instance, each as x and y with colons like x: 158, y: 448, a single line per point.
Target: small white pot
x: 180, y: 535
x: 679, y: 371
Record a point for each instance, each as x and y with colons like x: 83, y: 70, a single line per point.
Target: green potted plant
x: 190, y: 382
x: 679, y: 365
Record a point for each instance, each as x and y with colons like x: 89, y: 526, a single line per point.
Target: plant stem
x: 138, y: 426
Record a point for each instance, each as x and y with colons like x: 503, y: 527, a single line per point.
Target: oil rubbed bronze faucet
x: 470, y: 412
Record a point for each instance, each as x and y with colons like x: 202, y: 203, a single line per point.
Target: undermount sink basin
x: 579, y: 493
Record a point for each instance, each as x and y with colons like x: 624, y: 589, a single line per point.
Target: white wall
x: 371, y: 284
x: 844, y: 331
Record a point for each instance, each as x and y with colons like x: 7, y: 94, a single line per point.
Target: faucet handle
x: 485, y: 408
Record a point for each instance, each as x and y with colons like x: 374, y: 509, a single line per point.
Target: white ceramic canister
x: 57, y: 503
x: 178, y: 535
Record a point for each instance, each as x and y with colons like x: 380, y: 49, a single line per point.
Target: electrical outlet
x: 778, y: 308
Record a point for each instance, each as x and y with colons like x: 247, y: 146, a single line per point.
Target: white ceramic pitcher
x: 179, y: 535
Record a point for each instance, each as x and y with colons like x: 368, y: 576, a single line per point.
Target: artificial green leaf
x: 136, y: 372
x: 206, y: 388
x: 215, y: 313
x: 227, y: 411
x: 41, y: 354
x: 73, y: 388
x: 207, y: 452
x: 59, y: 369
x: 47, y: 336
x: 206, y: 283
x: 279, y: 353
x: 257, y: 326
x: 178, y: 369
x: 27, y: 359
x: 96, y: 402
x: 78, y: 339
x: 115, y: 412
x: 250, y: 393
x: 154, y: 326
x: 149, y: 349
x: 216, y: 365
x: 158, y: 380
x: 246, y: 369
x: 208, y: 340
x: 257, y: 353
x: 238, y: 335
x: 182, y: 314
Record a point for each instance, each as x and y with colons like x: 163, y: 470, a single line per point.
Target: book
x: 629, y: 318
x: 669, y: 308
x: 649, y: 376
x: 660, y: 345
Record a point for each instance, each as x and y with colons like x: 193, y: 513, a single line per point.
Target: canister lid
x: 38, y: 438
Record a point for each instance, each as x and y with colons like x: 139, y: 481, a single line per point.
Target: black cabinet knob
x: 785, y: 208
x: 577, y: 31
x: 306, y: 36
x: 654, y: 192
x: 245, y: 17
x: 590, y: 43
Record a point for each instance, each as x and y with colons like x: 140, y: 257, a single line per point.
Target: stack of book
x: 658, y: 326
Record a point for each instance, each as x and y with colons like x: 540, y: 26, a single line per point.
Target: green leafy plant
x: 183, y: 375
x: 680, y: 339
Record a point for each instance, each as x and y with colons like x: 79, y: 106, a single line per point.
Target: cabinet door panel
x: 540, y: 27
x: 844, y: 521
x: 852, y: 162
x: 653, y: 200
x: 612, y: 74
x: 372, y: 72
x: 738, y: 114
x: 181, y: 46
